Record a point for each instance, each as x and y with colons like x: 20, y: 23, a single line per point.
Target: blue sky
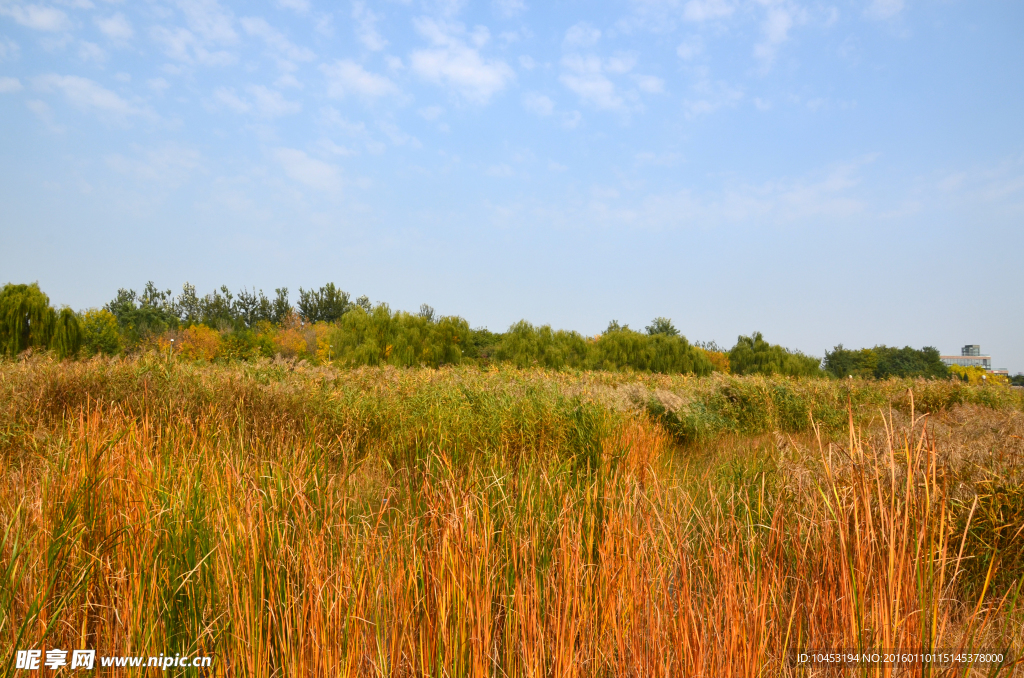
x: 823, y: 172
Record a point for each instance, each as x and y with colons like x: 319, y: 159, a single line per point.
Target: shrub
x: 754, y: 355
x: 199, y: 342
x: 883, y: 361
x: 99, y: 333
x: 525, y: 345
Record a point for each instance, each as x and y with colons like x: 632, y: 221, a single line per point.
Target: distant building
x: 970, y: 356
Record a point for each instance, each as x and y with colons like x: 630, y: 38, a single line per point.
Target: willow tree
x: 28, y: 321
x: 67, y: 334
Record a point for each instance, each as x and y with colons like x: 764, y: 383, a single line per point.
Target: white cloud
x: 183, y: 45
x: 581, y: 35
x: 87, y: 95
x: 711, y: 97
x: 622, y: 62
x: 690, y: 48
x: 37, y: 17
x: 527, y: 62
x: 501, y: 171
x: 650, y: 84
x: 509, y: 8
x: 45, y: 115
x: 538, y: 104
x: 158, y: 85
x: 258, y: 27
x: 116, y: 27
x: 779, y: 19
x: 347, y: 77
x: 585, y: 76
x: 431, y: 112
x: 705, y: 10
x: 452, y: 62
x: 333, y: 148
x: 8, y: 85
x: 366, y: 27
x: 288, y: 80
x: 448, y: 8
x: 8, y: 49
x: 309, y: 171
x: 270, y: 103
x: 169, y: 166
x: 89, y: 51
x: 262, y: 101
x: 207, y: 19
x: 225, y: 96
x: 300, y: 6
x: 884, y: 9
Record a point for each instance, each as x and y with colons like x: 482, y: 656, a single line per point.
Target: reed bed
x: 295, y: 521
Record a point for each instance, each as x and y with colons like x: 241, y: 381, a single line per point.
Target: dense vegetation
x: 293, y: 519
x: 327, y: 326
x: 882, y: 362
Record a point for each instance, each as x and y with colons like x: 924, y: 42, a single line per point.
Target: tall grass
x: 457, y: 522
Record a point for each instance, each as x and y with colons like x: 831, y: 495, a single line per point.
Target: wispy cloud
x: 116, y: 27
x: 538, y: 104
x: 705, y: 10
x: 581, y: 35
x: 207, y: 19
x: 274, y: 39
x: 452, y: 62
x: 711, y: 97
x: 183, y: 45
x: 169, y: 165
x: 508, y: 8
x: 260, y: 100
x: 347, y: 77
x: 8, y: 85
x: 86, y: 94
x: 300, y: 6
x: 37, y: 17
x: 780, y: 17
x: 586, y: 76
x: 8, y: 49
x: 366, y: 27
x: 650, y: 84
x: 884, y: 9
x: 300, y: 167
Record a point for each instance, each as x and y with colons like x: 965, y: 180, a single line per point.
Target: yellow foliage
x: 199, y: 342
x: 719, y: 360
x: 973, y: 375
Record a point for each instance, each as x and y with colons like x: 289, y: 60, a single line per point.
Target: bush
x: 754, y: 355
x: 99, y: 333
x: 380, y: 337
x: 882, y: 362
x: 199, y: 342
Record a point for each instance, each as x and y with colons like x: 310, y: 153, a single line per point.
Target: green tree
x: 99, y: 333
x: 662, y: 326
x: 883, y: 361
x: 26, y: 318
x: 28, y: 321
x: 141, y: 315
x: 327, y: 304
x: 67, y: 334
x: 754, y: 355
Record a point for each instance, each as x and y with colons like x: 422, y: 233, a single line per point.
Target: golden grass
x: 387, y: 523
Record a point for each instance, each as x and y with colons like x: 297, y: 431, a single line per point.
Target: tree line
x: 326, y: 325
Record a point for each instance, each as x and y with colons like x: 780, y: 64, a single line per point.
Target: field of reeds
x: 306, y: 521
